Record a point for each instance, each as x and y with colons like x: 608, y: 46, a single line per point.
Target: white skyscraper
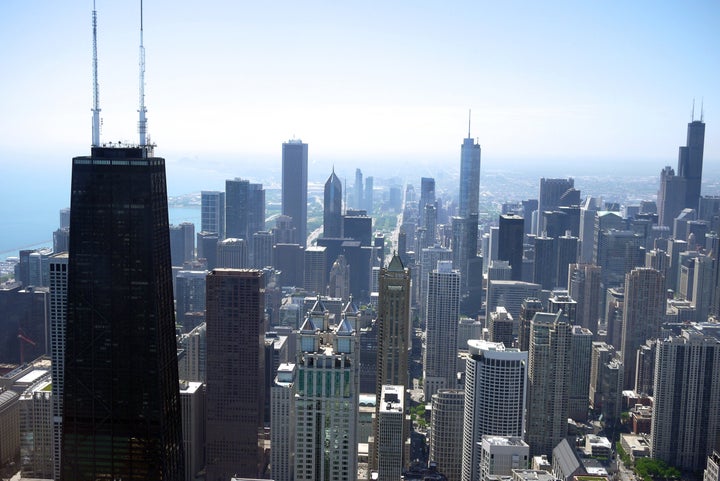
x: 192, y: 404
x: 441, y: 325
x: 495, y: 393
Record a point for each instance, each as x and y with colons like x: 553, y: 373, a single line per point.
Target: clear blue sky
x: 363, y: 81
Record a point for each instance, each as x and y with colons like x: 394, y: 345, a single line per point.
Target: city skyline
x: 228, y: 85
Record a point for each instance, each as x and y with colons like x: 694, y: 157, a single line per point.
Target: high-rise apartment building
x: 332, y: 207
x: 212, y: 212
x: 584, y: 286
x: 580, y: 357
x: 36, y: 431
x: 58, y: 319
x: 244, y: 208
x: 545, y: 264
x: 121, y: 403
x: 235, y: 373
x: 642, y: 315
x: 232, y: 253
x: 294, y: 186
x: 469, y: 199
x: 548, y: 382
x: 282, y: 428
x: 686, y: 417
x: 606, y: 384
x: 495, y: 394
x: 192, y: 402
x: 441, y: 323
x: 446, y: 427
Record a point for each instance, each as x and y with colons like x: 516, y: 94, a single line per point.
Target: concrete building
x: 391, y: 444
x: 495, y: 395
x: 192, y: 406
x: 642, y: 315
x: 36, y: 431
x: 441, y: 325
x: 316, y: 270
x: 446, y: 427
x: 235, y: 373
x: 282, y: 426
x: 584, y: 286
x: 580, y: 360
x: 548, y: 382
x: 686, y: 411
x: 500, y: 455
x: 232, y: 253
x: 606, y: 384
x: 501, y: 326
x: 9, y: 427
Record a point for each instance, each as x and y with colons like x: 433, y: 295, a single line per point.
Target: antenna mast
x: 96, y: 90
x: 142, y: 122
x: 469, y: 119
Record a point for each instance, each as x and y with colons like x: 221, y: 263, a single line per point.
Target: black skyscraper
x: 690, y: 162
x: 121, y: 416
x: 332, y: 203
x: 294, y: 186
x: 510, y: 244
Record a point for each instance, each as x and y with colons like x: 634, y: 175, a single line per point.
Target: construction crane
x: 23, y: 339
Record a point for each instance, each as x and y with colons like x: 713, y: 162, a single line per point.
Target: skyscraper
x: 235, y: 373
x: 294, y: 186
x: 121, y: 404
x: 446, y: 425
x: 391, y: 443
x: 358, y: 189
x: 584, y: 287
x: 495, y: 393
x: 326, y: 400
x: 469, y: 177
x: 548, y: 382
x: 212, y: 212
x: 393, y: 321
x: 244, y: 208
x: 58, y: 319
x: 441, y: 323
x: 551, y: 191
x: 427, y: 196
x: 690, y: 162
x: 510, y: 245
x: 332, y: 207
x: 686, y: 418
x: 642, y: 316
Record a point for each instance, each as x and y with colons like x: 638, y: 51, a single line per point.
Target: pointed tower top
x: 702, y: 109
x: 396, y: 264
x: 692, y: 116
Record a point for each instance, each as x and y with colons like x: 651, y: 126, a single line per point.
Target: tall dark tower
x: 294, y: 186
x: 121, y: 398
x: 690, y: 162
x: 510, y: 245
x: 332, y: 211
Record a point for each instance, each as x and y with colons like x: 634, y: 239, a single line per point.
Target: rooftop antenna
x: 96, y: 90
x: 692, y: 119
x: 702, y: 109
x: 142, y: 123
x: 469, y: 119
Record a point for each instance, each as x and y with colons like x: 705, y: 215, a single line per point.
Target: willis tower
x: 121, y: 402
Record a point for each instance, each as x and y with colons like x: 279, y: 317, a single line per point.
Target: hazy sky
x: 383, y: 82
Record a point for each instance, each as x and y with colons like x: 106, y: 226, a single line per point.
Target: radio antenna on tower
x: 96, y: 89
x: 142, y: 122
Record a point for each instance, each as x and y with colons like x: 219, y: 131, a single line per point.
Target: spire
x: 142, y: 122
x: 96, y: 89
x: 469, y: 119
x: 692, y: 116
x: 702, y: 109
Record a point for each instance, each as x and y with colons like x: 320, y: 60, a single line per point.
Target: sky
x: 556, y: 84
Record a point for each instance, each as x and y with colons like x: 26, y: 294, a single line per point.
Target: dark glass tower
x: 690, y: 162
x: 294, y: 186
x: 244, y: 209
x: 510, y: 245
x: 332, y: 211
x: 121, y: 405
